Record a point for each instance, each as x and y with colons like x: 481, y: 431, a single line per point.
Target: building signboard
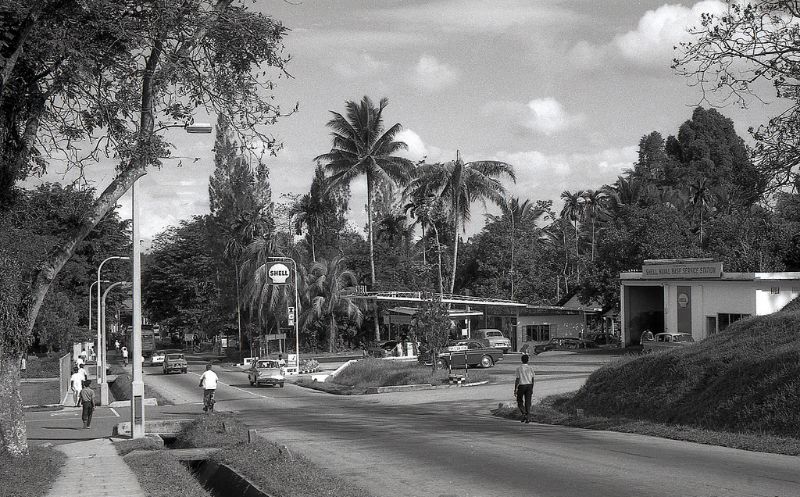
x: 689, y: 270
x: 278, y: 274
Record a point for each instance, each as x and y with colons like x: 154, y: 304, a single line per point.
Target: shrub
x: 212, y: 430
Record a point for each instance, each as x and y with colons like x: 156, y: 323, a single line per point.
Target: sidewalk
x: 94, y: 469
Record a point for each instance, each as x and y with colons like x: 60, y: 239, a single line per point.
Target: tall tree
x: 105, y: 84
x: 321, y: 213
x: 572, y: 211
x: 363, y: 146
x: 326, y: 289
x: 460, y: 184
x: 240, y: 200
x: 590, y: 202
x: 516, y: 213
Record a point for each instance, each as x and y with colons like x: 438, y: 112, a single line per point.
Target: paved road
x: 446, y: 443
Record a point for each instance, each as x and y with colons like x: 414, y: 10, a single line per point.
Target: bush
x: 41, y: 367
x: 146, y: 443
x: 745, y: 379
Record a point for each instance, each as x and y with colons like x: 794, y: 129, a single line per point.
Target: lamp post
x: 137, y: 384
x: 97, y: 352
x: 296, y: 309
x: 101, y: 343
x: 101, y: 307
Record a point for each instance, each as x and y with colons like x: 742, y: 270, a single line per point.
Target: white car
x: 495, y: 338
x: 157, y: 358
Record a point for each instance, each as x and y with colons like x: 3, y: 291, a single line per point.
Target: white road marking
x: 115, y: 412
x: 237, y: 388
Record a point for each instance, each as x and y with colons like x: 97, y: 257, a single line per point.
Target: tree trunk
x: 13, y: 436
x: 424, y: 246
x: 313, y: 251
x: 372, y: 255
x: 512, y: 260
x: 331, y: 333
x: 593, y: 238
x: 455, y: 253
x: 439, y: 253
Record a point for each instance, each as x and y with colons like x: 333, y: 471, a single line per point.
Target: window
x: 537, y: 332
x: 725, y: 320
x: 775, y: 290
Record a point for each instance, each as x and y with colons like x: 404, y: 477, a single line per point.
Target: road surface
x: 446, y: 443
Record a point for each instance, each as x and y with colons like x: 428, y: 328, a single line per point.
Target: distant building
x: 540, y: 323
x: 695, y: 296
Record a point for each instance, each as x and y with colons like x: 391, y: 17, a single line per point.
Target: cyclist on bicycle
x: 208, y: 381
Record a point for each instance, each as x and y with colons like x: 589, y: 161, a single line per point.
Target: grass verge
x: 146, y: 443
x: 40, y: 393
x: 31, y: 475
x: 369, y: 373
x: 273, y: 468
x: 161, y: 475
x: 546, y: 412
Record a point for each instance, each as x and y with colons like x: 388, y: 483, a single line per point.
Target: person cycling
x: 208, y: 381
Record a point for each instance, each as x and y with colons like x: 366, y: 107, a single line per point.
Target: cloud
x: 652, y: 43
x: 418, y: 150
x: 322, y: 42
x: 431, y: 75
x: 542, y: 115
x: 352, y: 65
x: 495, y: 16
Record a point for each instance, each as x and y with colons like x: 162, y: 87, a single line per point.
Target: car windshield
x: 493, y: 334
x: 174, y: 357
x: 267, y: 364
x: 683, y: 338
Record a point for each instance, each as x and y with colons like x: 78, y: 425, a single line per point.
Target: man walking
x: 125, y: 355
x: 523, y: 388
x: 76, y: 384
x: 87, y: 401
x: 208, y: 381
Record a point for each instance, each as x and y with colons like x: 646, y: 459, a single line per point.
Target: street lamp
x: 101, y: 342
x: 97, y: 352
x: 102, y: 310
x: 295, y: 311
x: 137, y: 384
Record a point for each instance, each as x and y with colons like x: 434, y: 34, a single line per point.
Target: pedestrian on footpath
x: 523, y: 388
x: 87, y: 401
x: 208, y: 380
x: 76, y: 384
x: 116, y: 345
x: 125, y: 355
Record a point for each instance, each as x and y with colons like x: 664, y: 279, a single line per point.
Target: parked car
x: 495, y: 338
x: 666, y: 341
x: 564, y: 343
x: 471, y: 352
x: 175, y: 363
x: 157, y: 358
x: 381, y: 349
x: 266, y: 372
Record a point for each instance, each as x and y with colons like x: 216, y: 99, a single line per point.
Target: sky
x: 562, y: 90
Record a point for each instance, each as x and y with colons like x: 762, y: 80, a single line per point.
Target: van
x: 495, y: 338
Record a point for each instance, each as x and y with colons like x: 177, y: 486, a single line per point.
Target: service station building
x: 695, y: 296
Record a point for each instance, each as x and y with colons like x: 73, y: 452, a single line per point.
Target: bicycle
x: 208, y: 400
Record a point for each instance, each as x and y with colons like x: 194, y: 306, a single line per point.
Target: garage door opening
x: 644, y: 310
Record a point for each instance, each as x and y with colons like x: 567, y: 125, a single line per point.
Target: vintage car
x: 266, y: 372
x: 469, y: 352
x: 175, y: 363
x: 157, y: 358
x: 495, y: 338
x: 666, y: 341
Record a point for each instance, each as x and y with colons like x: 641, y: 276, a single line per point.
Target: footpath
x: 93, y: 467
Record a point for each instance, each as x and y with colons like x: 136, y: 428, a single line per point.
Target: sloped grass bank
x: 371, y: 372
x: 33, y: 474
x: 743, y: 380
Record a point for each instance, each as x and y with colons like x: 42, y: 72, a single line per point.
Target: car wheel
x: 184, y: 371
x: 251, y: 381
x: 164, y: 371
x: 441, y: 363
x: 486, y: 361
x: 281, y: 384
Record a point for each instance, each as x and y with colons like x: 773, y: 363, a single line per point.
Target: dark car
x: 564, y: 343
x: 471, y: 352
x: 381, y: 349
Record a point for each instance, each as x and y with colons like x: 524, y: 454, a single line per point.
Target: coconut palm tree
x: 517, y: 213
x: 590, y: 202
x: 325, y: 292
x: 459, y: 184
x: 700, y: 194
x: 309, y: 213
x: 362, y: 146
x: 572, y: 212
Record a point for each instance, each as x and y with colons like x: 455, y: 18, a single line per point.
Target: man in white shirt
x: 523, y: 388
x: 76, y: 384
x: 208, y: 380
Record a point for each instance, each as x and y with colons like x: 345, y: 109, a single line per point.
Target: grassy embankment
x: 739, y: 388
x: 31, y: 475
x: 369, y: 373
x: 274, y: 469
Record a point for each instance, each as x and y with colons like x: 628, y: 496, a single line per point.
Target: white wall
x: 566, y: 325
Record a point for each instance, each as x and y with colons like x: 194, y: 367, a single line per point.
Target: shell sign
x: 278, y: 274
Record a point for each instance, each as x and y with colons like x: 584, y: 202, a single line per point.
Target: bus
x: 148, y: 340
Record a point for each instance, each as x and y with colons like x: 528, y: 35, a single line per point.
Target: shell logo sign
x: 278, y: 274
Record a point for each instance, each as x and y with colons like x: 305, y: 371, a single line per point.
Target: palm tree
x: 517, y: 213
x: 700, y: 194
x: 394, y: 228
x: 572, y: 211
x: 460, y: 184
x: 309, y: 213
x: 361, y: 145
x: 590, y: 204
x: 325, y: 289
